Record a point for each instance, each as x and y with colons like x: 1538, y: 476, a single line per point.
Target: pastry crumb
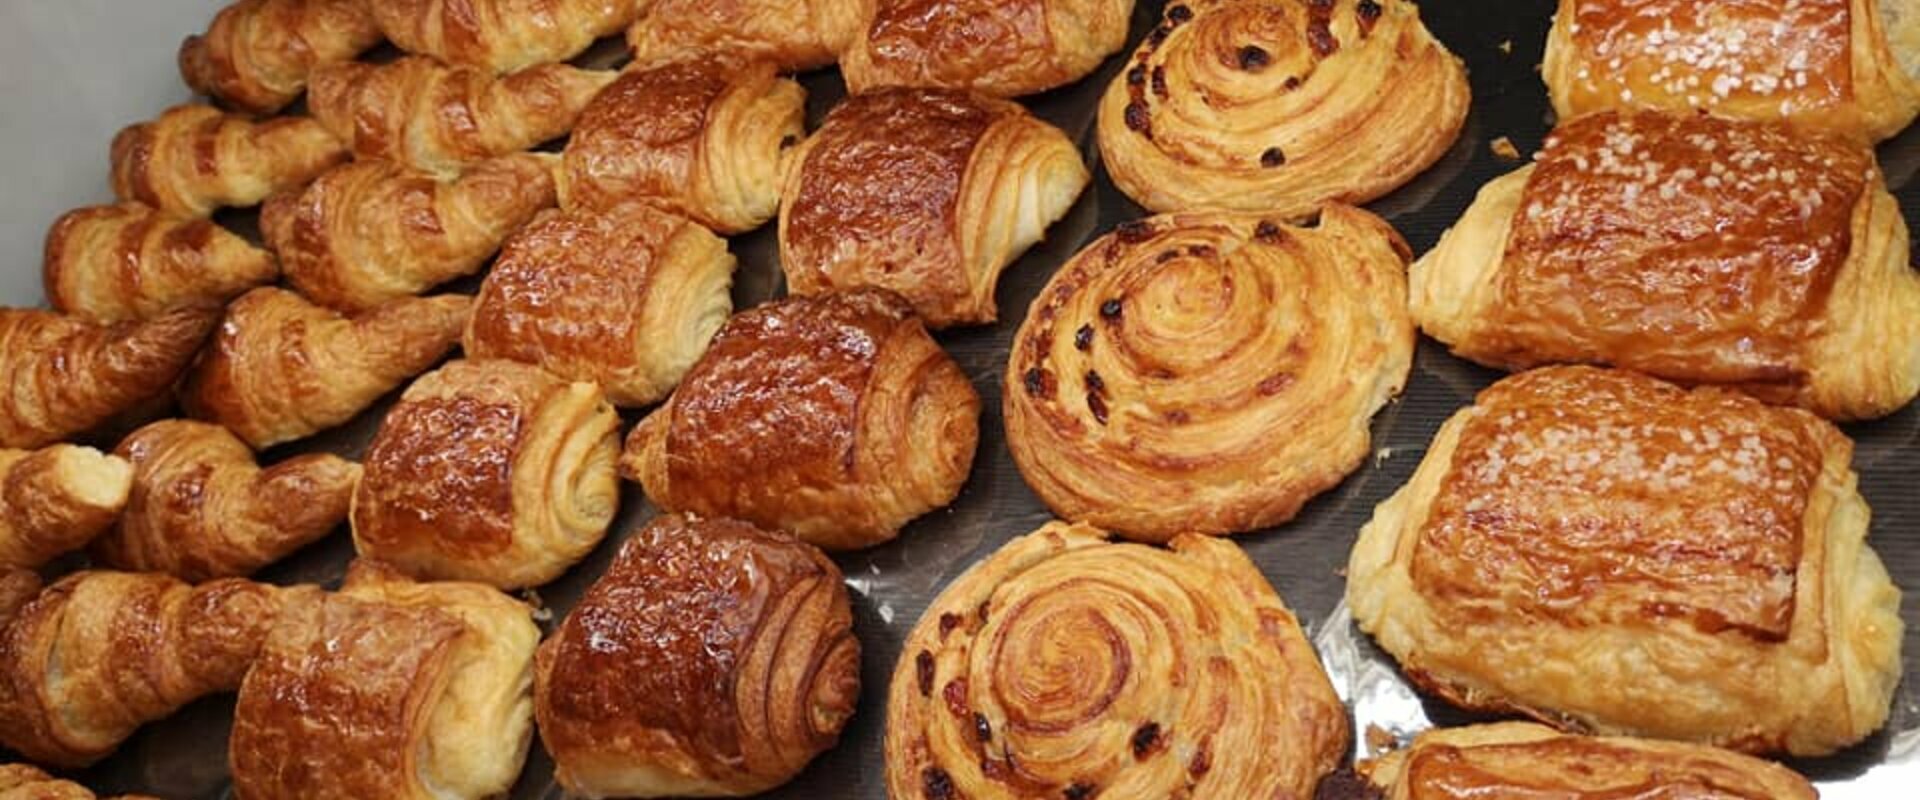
x: 1506, y: 47
x: 1381, y: 455
x: 1503, y: 147
x: 1380, y: 740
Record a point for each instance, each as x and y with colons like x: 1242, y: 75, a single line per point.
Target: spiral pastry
x: 1278, y: 106
x: 712, y: 659
x: 1208, y: 372
x: 1068, y: 666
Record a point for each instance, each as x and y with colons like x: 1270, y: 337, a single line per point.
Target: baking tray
x: 185, y: 756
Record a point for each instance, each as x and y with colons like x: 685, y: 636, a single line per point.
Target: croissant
x: 24, y: 782
x: 793, y: 36
x: 1690, y: 248
x: 374, y: 231
x: 55, y: 500
x: 627, y: 299
x: 282, y: 368
x: 929, y: 193
x: 1277, y: 107
x: 193, y: 159
x: 67, y: 376
x: 388, y: 689
x: 258, y: 54
x: 501, y: 35
x: 712, y: 659
x: 490, y: 471
x: 201, y: 508
x: 834, y: 417
x: 129, y: 261
x: 701, y: 138
x: 98, y: 654
x: 442, y: 119
x: 1004, y: 48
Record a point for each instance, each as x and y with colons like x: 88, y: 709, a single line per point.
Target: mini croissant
x: 257, y: 54
x: 201, y: 508
x: 282, y: 368
x: 501, y: 35
x: 375, y: 231
x: 131, y: 261
x: 193, y: 159
x: 55, y: 500
x: 66, y: 376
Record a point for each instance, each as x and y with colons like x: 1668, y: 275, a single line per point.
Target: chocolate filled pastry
x: 834, y: 417
x: 1068, y: 666
x: 929, y: 193
x: 193, y: 160
x: 130, y: 261
x: 1694, y: 249
x: 501, y: 35
x: 490, y: 471
x: 1208, y: 372
x: 258, y: 54
x: 281, y: 368
x: 1518, y: 759
x: 1279, y: 106
x: 626, y: 299
x: 704, y: 138
x: 388, y: 689
x: 713, y: 659
x: 1004, y: 48
x: 1846, y: 67
x: 1614, y: 554
x: 374, y: 231
x: 442, y: 119
x: 67, y: 376
x: 98, y: 654
x: 26, y: 782
x: 793, y: 35
x: 56, y: 499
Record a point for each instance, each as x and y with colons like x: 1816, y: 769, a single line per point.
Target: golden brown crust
x: 55, y: 500
x: 501, y: 35
x: 627, y: 299
x: 1004, y: 48
x: 26, y: 782
x: 192, y: 159
x: 257, y: 54
x: 67, y: 376
x: 835, y: 417
x: 17, y: 587
x: 1064, y: 665
x: 713, y: 658
x: 929, y: 193
x: 1208, y: 372
x: 793, y: 35
x: 129, y: 261
x: 1277, y: 107
x: 281, y: 368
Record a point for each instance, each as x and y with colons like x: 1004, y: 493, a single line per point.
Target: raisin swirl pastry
x: 712, y: 659
x: 793, y: 35
x: 930, y: 193
x: 193, y: 160
x: 1068, y: 666
x: 1208, y: 372
x: 1692, y: 248
x: 129, y: 261
x: 1004, y: 48
x: 1614, y: 554
x: 834, y: 417
x: 67, y: 376
x: 1846, y: 67
x: 1278, y: 106
x: 258, y: 54
x: 501, y: 35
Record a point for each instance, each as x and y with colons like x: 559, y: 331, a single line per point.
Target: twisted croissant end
x: 55, y: 500
x: 68, y: 376
x: 257, y: 54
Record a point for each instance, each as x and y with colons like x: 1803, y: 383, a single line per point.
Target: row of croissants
x: 1598, y: 547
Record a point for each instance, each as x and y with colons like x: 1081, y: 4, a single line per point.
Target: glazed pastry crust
x: 56, y: 499
x: 929, y: 193
x: 835, y: 417
x: 793, y: 35
x: 26, y: 782
x: 1050, y: 668
x: 129, y: 261
x: 501, y: 35
x: 1610, y: 553
x: 490, y: 471
x: 68, y: 376
x: 627, y: 299
x: 257, y: 55
x: 1277, y: 107
x: 1003, y: 48
x: 1742, y: 254
x: 713, y: 659
x: 193, y: 160
x: 1523, y: 759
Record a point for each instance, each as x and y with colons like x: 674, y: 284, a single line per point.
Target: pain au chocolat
x: 1003, y: 48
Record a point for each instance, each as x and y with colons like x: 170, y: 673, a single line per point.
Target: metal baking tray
x: 64, y: 133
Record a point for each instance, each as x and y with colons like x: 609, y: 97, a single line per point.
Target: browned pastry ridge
x: 66, y: 376
x: 704, y: 138
x: 193, y: 159
x: 1003, y: 48
x: 98, y: 654
x: 834, y: 417
x: 930, y: 193
x: 388, y: 689
x: 627, y: 299
x: 55, y: 500
x: 443, y: 119
x: 282, y: 368
x: 794, y: 35
x: 712, y: 659
x: 1208, y: 372
x: 129, y: 261
x: 200, y: 508
x: 501, y: 35
x: 27, y: 782
x: 17, y: 587
x: 258, y: 54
